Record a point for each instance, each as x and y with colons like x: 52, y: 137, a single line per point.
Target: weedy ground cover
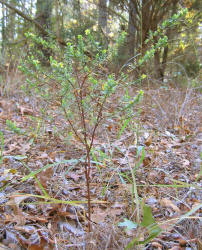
x: 53, y: 190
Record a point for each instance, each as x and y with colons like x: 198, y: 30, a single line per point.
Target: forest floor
x: 32, y: 215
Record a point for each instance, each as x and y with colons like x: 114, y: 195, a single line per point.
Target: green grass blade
x: 33, y: 173
x: 123, y: 127
x: 2, y: 146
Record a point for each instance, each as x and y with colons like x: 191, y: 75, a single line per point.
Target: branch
x: 28, y: 18
x: 110, y: 10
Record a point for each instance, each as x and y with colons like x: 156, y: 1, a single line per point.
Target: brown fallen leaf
x: 15, y: 201
x: 25, y: 111
x: 176, y: 248
x: 148, y: 142
x: 99, y: 215
x: 168, y: 203
x: 43, y: 245
x: 44, y: 177
x: 25, y: 148
x: 157, y: 245
x: 146, y: 161
x: 37, y: 218
x: 73, y: 176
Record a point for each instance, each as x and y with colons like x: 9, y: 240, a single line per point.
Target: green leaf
x: 153, y: 234
x: 139, y: 150
x: 19, y: 157
x: 149, y: 223
x: 147, y: 216
x: 123, y: 127
x: 2, y: 146
x: 12, y: 126
x: 128, y: 224
x: 2, y: 143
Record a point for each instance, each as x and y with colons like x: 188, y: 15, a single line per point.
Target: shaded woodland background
x: 65, y: 20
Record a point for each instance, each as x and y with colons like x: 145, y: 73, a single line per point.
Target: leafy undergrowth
x: 42, y: 182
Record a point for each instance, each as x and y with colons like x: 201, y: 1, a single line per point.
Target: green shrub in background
x: 77, y: 82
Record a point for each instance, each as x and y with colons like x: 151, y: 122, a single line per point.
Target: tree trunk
x: 127, y: 50
x: 10, y: 26
x: 77, y: 9
x: 102, y: 19
x: 57, y: 20
x: 44, y: 13
x: 160, y: 62
x: 23, y: 15
x: 28, y: 18
x: 3, y: 35
x: 131, y: 30
x: 43, y: 17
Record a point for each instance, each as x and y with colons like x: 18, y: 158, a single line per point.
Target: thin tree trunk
x: 164, y: 61
x: 3, y: 35
x: 157, y: 65
x: 10, y: 27
x: 57, y: 20
x: 43, y: 16
x: 131, y: 30
x: 102, y: 19
x: 28, y: 18
x: 160, y: 63
x: 77, y: 9
x: 23, y: 15
x: 44, y: 13
x: 127, y: 50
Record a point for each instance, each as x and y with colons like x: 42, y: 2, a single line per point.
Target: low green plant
x: 80, y: 88
x: 13, y: 127
x: 147, y: 224
x: 35, y: 130
x: 82, y: 91
x: 99, y: 166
